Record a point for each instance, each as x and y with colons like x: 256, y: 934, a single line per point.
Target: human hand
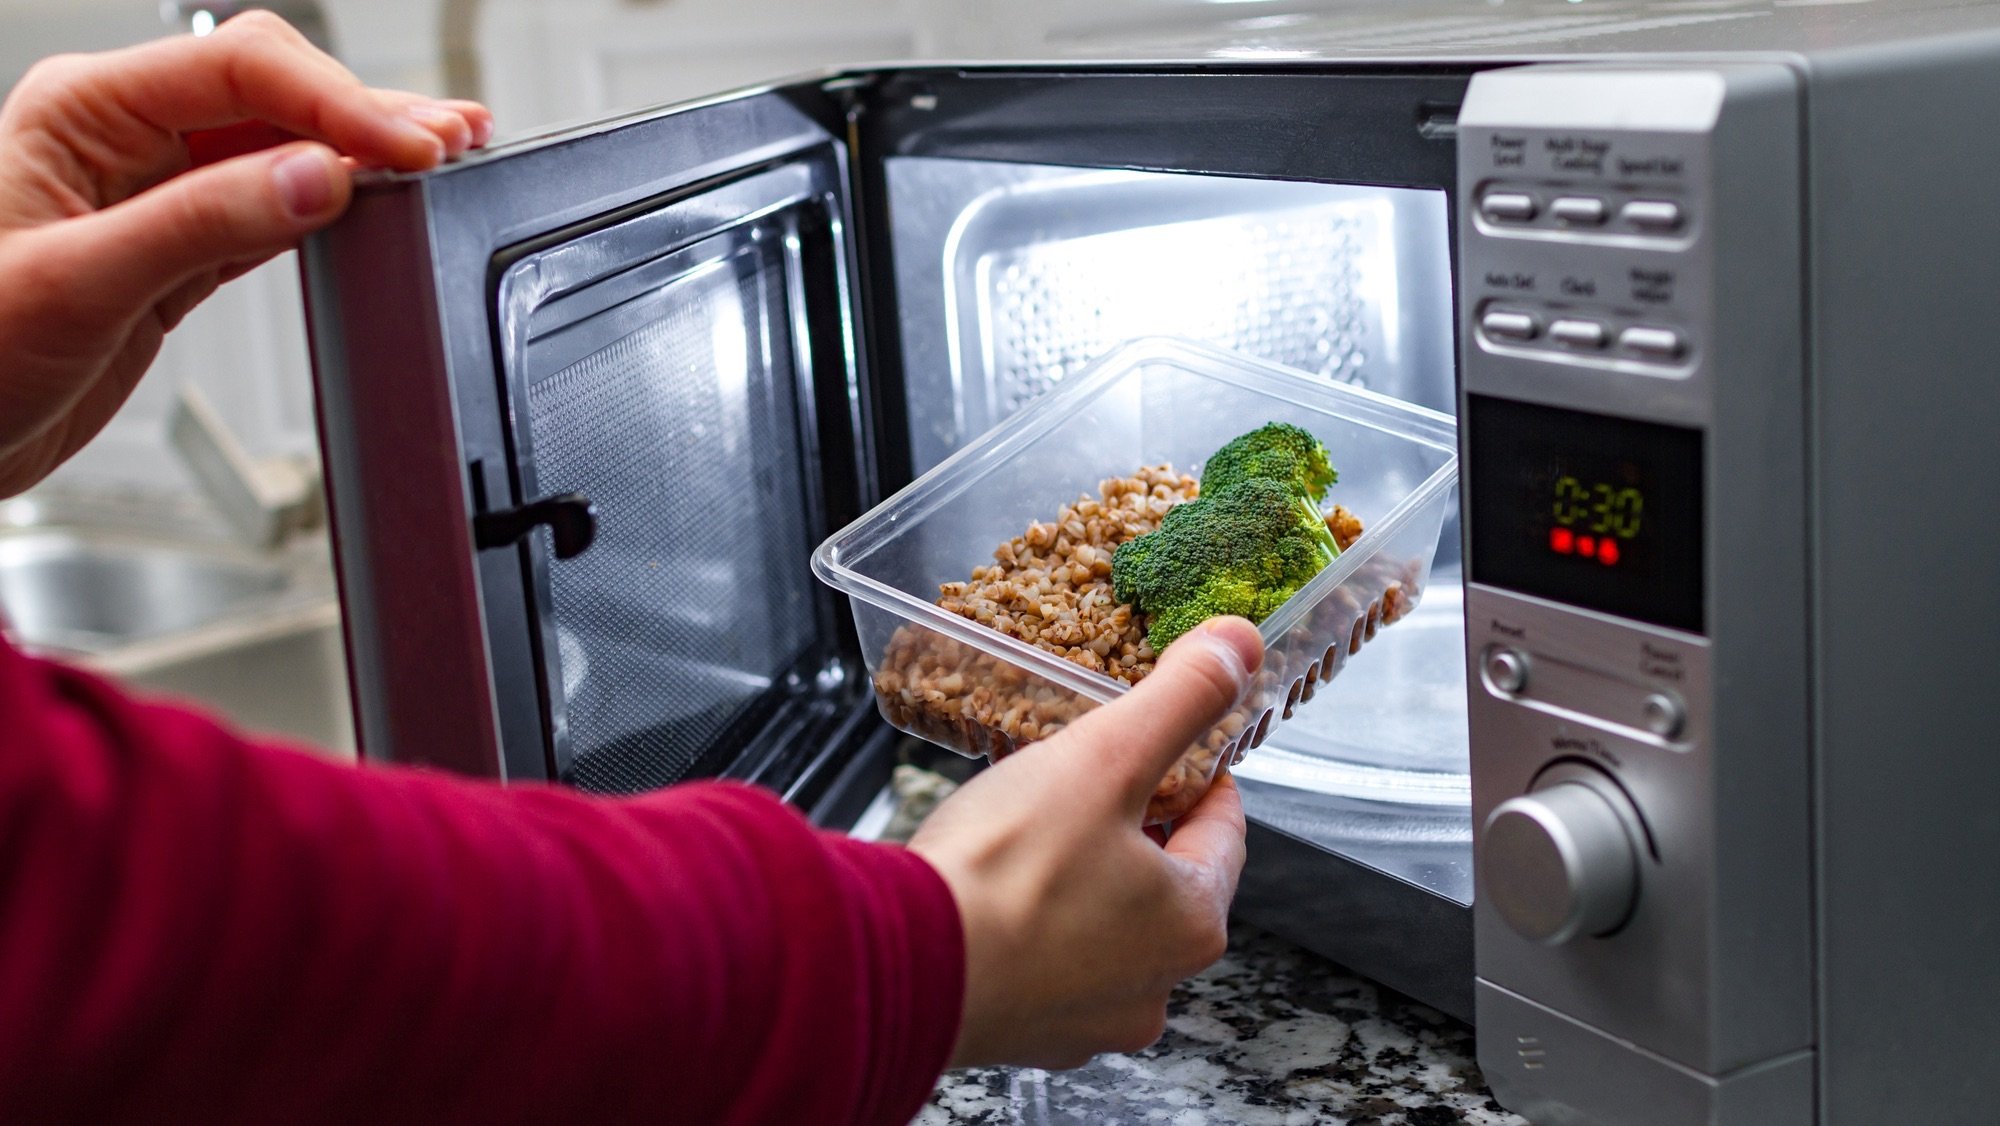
x: 1077, y: 925
x: 135, y: 182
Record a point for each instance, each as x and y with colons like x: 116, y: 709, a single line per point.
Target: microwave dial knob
x: 1561, y: 863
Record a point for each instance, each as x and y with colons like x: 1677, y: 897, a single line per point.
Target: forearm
x: 238, y: 933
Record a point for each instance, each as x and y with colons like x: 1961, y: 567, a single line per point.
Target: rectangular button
x: 1507, y: 207
x: 1510, y: 326
x: 1652, y: 343
x: 1577, y: 333
x: 1578, y: 210
x: 1652, y: 214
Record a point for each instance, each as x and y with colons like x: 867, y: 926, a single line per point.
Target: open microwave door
x: 587, y: 402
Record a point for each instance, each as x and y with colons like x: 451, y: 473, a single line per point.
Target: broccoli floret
x: 1277, y: 450
x: 1243, y: 549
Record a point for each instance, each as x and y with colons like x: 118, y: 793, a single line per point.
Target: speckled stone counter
x: 1269, y: 1035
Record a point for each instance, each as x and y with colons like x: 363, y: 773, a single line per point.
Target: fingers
x: 1209, y: 841
x: 257, y: 67
x: 129, y: 256
x: 1197, y: 680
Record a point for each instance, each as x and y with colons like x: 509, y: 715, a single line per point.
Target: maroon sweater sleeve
x: 197, y: 929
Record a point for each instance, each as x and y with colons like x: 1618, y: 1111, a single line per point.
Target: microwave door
x: 587, y: 404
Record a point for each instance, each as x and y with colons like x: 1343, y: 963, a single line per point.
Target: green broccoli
x: 1243, y: 549
x: 1277, y: 450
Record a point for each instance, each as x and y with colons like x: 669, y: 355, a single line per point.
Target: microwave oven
x: 1674, y: 784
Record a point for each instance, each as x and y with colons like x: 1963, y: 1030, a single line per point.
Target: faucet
x: 265, y: 501
x: 204, y: 16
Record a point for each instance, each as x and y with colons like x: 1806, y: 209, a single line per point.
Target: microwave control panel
x: 1628, y: 332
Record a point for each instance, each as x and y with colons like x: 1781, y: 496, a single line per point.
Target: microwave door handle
x: 571, y: 519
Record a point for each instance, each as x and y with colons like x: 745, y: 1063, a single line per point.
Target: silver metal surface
x: 1904, y: 718
x: 1557, y: 1071
x: 153, y: 590
x: 1725, y: 871
x: 1014, y: 276
x: 1558, y: 863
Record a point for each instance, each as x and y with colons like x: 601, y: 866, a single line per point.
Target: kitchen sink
x: 156, y: 592
x: 78, y: 593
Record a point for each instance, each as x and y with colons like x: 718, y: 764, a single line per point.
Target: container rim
x: 957, y: 473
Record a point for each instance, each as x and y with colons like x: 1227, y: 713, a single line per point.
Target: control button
x: 1508, y: 207
x: 1652, y: 343
x: 1578, y: 333
x: 1578, y: 210
x: 1507, y: 670
x: 1663, y: 715
x: 1510, y: 326
x: 1561, y: 863
x: 1652, y: 214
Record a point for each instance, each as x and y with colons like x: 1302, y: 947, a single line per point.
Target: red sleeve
x: 196, y: 929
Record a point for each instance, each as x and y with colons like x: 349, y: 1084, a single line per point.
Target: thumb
x: 1136, y: 738
x: 244, y: 209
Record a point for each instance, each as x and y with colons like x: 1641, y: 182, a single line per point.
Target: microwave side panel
x: 1905, y: 265
x: 424, y: 434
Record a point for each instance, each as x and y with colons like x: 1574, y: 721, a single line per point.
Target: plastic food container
x: 1149, y: 402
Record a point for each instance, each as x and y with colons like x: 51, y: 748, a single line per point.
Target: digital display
x: 1599, y: 512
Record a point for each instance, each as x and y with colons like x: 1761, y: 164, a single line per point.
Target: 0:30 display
x: 1611, y: 511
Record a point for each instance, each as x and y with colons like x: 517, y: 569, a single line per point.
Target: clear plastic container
x: 1149, y: 402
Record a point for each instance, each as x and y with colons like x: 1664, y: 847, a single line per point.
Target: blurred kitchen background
x: 183, y: 550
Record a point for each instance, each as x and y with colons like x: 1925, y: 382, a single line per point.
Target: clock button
x: 1578, y: 333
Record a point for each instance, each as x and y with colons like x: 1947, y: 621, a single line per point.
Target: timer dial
x: 1562, y: 862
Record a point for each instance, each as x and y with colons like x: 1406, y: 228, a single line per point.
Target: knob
x: 1561, y: 862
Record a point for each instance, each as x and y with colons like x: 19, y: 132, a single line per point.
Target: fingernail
x: 1242, y: 650
x: 417, y: 131
x: 440, y: 122
x: 305, y: 184
x: 482, y: 131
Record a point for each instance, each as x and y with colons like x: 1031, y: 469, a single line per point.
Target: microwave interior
x: 823, y: 292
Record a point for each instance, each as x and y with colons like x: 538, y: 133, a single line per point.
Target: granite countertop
x: 1272, y: 1035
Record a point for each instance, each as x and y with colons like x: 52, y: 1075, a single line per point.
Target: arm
x: 195, y: 927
